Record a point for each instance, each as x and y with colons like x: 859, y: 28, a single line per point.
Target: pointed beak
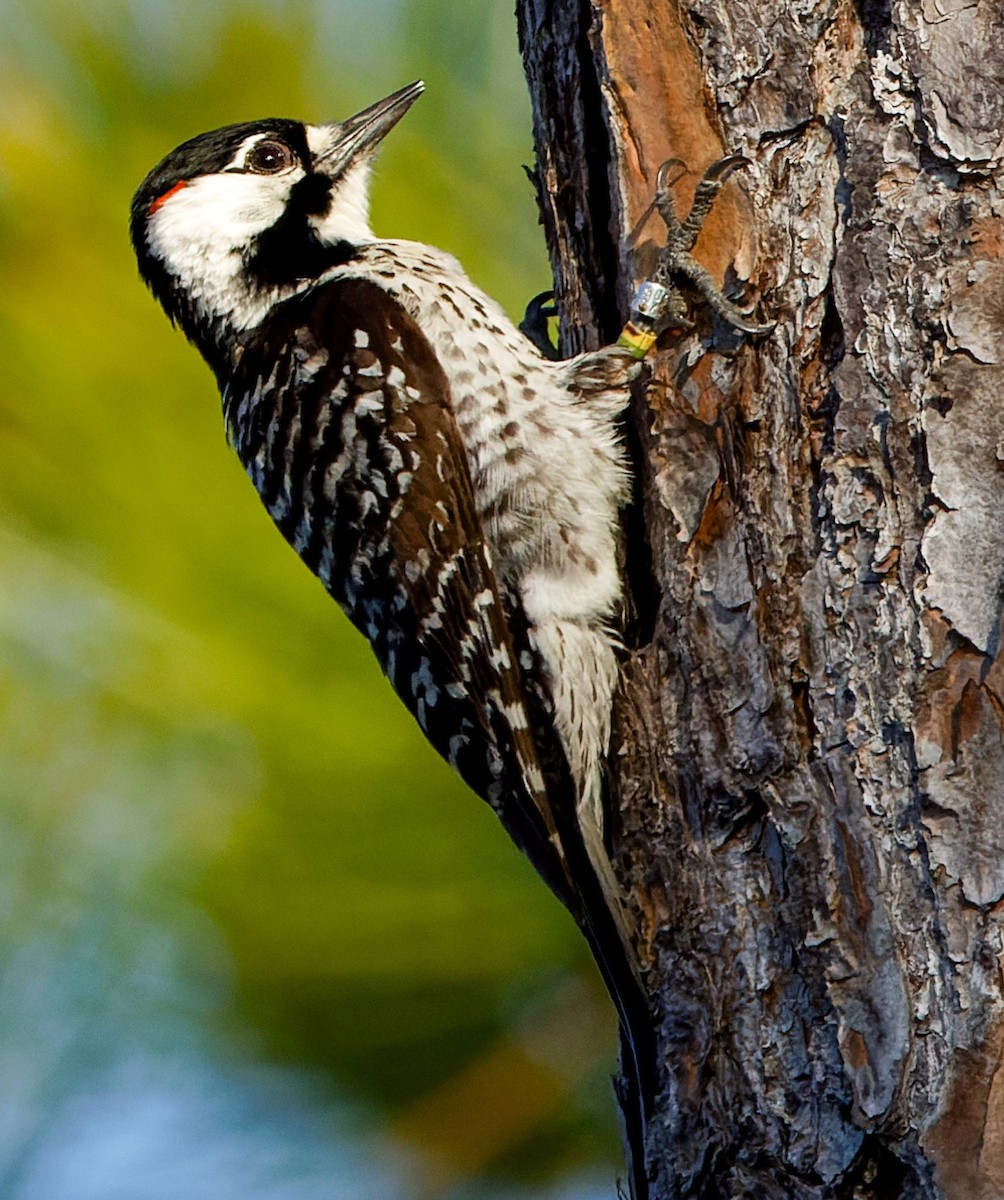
x: 360, y: 135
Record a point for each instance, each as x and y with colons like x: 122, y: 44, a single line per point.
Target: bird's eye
x: 269, y: 158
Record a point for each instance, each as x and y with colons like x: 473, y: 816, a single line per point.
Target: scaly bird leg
x: 659, y: 303
x: 705, y: 195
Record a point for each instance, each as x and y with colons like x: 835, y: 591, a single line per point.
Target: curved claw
x: 542, y: 305
x: 753, y: 328
x: 735, y: 316
x: 534, y: 323
x: 719, y: 171
x: 661, y: 180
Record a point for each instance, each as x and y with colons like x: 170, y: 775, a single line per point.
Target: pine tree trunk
x: 807, y: 765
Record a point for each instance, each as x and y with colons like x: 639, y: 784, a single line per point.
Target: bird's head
x: 235, y: 220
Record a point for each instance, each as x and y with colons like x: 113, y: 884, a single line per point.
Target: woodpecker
x: 454, y: 490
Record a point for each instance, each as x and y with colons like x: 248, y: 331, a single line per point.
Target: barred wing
x: 341, y: 414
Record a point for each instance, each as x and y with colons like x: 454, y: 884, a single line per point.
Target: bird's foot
x: 534, y: 324
x: 659, y: 304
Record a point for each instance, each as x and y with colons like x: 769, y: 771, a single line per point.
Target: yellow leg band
x: 638, y: 341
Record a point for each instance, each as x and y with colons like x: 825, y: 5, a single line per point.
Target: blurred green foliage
x: 218, y: 828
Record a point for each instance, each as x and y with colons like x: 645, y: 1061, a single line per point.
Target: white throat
x: 348, y: 218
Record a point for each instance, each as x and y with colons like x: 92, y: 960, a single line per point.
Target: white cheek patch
x: 226, y: 209
x: 201, y: 231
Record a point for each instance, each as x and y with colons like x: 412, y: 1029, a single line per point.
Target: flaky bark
x: 808, y: 765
